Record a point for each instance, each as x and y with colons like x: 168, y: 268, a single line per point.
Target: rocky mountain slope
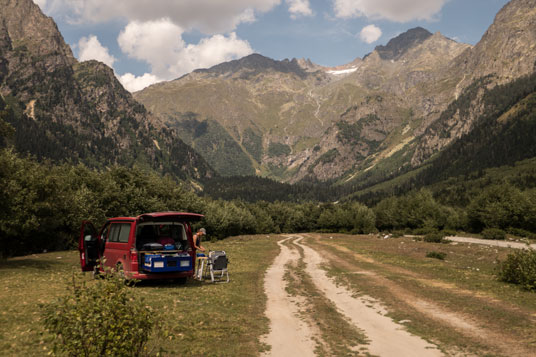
x: 388, y: 112
x: 292, y: 119
x: 506, y: 52
x: 65, y: 110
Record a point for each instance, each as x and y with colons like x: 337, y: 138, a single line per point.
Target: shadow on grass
x: 234, y: 278
x: 32, y: 263
x: 171, y: 284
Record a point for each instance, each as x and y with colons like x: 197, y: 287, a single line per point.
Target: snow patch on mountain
x: 342, y: 71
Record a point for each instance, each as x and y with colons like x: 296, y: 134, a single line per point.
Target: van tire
x: 181, y: 281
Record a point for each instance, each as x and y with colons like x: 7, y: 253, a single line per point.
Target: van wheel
x: 181, y: 281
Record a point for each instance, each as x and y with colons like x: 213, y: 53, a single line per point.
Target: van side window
x: 119, y: 232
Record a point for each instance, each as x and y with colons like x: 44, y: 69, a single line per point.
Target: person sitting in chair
x: 197, y: 239
x: 201, y: 257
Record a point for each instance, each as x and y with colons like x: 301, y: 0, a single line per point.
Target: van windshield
x: 166, y: 234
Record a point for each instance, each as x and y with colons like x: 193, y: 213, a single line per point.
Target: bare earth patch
x: 387, y: 338
x: 289, y: 335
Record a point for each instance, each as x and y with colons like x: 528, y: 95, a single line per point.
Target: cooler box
x: 160, y: 263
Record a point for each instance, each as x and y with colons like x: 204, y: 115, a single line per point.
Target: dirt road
x: 291, y: 336
x: 493, y: 243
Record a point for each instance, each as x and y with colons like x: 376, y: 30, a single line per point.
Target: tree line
x: 43, y: 205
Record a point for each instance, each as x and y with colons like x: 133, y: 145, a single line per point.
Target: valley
x: 381, y: 207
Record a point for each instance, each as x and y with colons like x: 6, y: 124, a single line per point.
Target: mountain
x: 290, y: 119
x: 360, y: 123
x: 502, y: 139
x: 65, y: 110
x: 253, y: 65
x: 504, y: 54
x: 397, y: 46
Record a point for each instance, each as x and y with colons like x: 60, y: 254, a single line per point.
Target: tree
x: 498, y: 206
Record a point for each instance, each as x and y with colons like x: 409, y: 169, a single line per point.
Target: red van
x: 150, y: 246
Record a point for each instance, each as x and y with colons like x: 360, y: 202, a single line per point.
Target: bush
x: 397, y: 234
x: 494, y: 233
x: 424, y: 231
x: 98, y: 318
x: 521, y: 233
x: 449, y: 232
x: 436, y: 237
x: 520, y: 268
x: 436, y: 255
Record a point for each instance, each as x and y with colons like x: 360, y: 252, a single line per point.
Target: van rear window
x: 119, y: 232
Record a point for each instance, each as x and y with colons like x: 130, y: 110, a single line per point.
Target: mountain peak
x: 255, y: 64
x: 24, y: 26
x: 399, y: 45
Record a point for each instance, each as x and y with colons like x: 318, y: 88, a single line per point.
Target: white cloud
x: 370, y: 34
x: 41, y: 3
x: 155, y: 42
x: 211, y: 51
x: 299, y: 8
x: 133, y: 83
x: 90, y: 48
x: 393, y: 10
x: 160, y: 44
x: 208, y: 16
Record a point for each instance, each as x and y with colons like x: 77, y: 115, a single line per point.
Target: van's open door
x: 88, y: 245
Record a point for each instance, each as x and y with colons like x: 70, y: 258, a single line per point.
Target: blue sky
x: 147, y: 41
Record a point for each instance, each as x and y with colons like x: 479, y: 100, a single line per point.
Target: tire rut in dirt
x: 289, y: 335
x: 387, y: 338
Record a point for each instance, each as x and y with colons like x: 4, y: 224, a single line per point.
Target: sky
x: 148, y: 41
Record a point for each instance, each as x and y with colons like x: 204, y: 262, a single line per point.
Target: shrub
x: 520, y: 268
x: 424, y: 231
x: 435, y: 237
x: 98, y: 318
x: 398, y: 234
x: 449, y: 232
x: 436, y: 255
x: 494, y: 233
x: 521, y: 233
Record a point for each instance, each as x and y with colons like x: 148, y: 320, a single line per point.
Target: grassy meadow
x: 456, y: 303
x: 201, y: 318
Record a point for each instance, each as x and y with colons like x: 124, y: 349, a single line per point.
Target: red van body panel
x: 115, y: 244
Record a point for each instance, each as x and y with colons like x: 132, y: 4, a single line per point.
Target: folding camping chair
x: 217, y: 267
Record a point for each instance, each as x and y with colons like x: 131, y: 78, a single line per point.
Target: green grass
x: 203, y: 319
x: 228, y: 319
